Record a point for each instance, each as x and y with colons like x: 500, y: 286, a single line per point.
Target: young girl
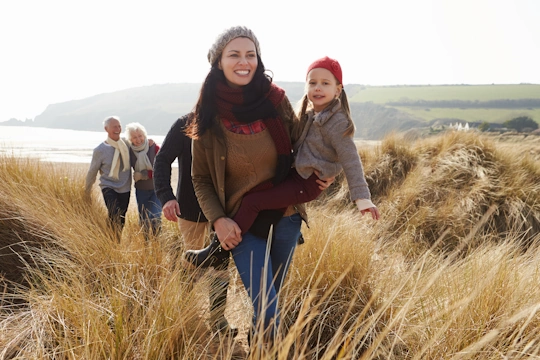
x: 325, y: 148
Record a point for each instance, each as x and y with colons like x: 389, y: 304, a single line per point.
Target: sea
x: 53, y: 145
x: 62, y: 145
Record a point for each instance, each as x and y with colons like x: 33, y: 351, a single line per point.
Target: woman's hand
x: 228, y: 233
x: 171, y: 210
x: 137, y: 175
x: 324, y: 183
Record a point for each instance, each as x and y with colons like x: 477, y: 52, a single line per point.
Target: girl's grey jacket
x: 323, y: 147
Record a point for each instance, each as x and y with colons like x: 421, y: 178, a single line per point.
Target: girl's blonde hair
x: 305, y: 105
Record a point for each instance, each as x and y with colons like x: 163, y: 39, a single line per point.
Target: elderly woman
x: 142, y: 153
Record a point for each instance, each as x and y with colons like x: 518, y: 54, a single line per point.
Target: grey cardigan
x: 327, y: 150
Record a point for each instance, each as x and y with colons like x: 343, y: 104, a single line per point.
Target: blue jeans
x: 249, y: 257
x: 149, y: 210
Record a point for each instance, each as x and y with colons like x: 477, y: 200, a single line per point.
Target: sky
x: 60, y: 50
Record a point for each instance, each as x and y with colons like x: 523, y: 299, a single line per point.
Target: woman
x: 242, y: 131
x: 142, y: 154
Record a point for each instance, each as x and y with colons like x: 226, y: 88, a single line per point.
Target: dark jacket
x: 177, y: 146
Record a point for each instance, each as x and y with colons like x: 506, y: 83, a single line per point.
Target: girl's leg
x: 293, y: 190
x: 262, y: 276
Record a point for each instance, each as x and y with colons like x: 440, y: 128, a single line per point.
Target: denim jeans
x: 149, y: 210
x: 249, y: 257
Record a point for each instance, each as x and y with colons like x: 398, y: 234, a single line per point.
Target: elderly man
x: 111, y: 160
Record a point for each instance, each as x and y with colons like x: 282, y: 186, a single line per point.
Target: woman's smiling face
x: 137, y: 137
x: 239, y: 62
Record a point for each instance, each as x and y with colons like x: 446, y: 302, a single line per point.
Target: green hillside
x: 385, y: 94
x: 470, y: 115
x: 376, y: 110
x: 470, y: 103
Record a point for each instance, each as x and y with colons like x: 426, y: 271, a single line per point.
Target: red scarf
x: 244, y: 105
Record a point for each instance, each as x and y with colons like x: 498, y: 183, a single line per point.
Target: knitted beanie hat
x: 328, y: 64
x: 226, y: 37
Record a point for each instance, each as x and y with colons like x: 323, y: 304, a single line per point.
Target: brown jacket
x: 208, y: 166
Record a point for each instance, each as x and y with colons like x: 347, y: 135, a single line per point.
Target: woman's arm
x: 207, y: 190
x: 204, y: 183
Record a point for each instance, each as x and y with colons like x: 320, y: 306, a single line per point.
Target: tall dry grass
x: 451, y: 270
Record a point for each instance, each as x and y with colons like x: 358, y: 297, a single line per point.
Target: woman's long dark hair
x: 206, y: 110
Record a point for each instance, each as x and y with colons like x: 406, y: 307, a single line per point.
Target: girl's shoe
x: 211, y: 256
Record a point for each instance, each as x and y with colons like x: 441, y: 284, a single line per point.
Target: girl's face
x: 322, y: 88
x: 137, y: 137
x: 239, y: 62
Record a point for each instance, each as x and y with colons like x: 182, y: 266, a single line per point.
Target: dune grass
x: 451, y: 271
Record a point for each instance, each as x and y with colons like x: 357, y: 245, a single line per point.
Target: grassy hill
x: 471, y: 103
x: 385, y: 94
x: 376, y: 110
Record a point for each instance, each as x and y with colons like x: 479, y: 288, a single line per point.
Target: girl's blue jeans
x: 263, y: 267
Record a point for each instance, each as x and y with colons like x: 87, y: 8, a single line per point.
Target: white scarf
x: 141, y: 151
x: 120, y: 149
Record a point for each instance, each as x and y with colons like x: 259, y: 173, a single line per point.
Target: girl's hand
x: 228, y: 233
x: 324, y: 183
x: 374, y: 212
x: 365, y: 206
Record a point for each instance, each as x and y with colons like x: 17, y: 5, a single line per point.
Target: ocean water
x: 55, y: 145
x: 71, y: 146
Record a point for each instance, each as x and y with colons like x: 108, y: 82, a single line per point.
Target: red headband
x: 328, y: 64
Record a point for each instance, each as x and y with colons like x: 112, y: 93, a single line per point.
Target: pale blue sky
x: 59, y: 50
